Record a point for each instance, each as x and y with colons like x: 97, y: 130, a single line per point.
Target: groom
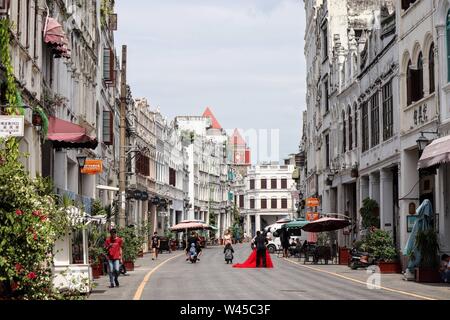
x: 260, y: 243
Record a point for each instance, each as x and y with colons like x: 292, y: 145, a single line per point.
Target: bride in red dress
x: 251, y: 261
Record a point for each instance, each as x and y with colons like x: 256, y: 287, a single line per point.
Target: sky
x: 242, y: 58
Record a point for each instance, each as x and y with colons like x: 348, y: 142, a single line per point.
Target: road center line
x: 140, y: 289
x: 360, y: 282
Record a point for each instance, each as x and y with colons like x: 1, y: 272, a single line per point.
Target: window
x: 263, y: 183
x: 350, y: 129
x: 263, y: 203
x: 19, y: 4
x: 365, y: 126
x: 415, y: 81
x: 448, y: 46
x: 172, y: 177
x: 327, y: 151
x: 36, y: 14
x: 143, y: 164
x: 27, y: 30
x: 284, y: 203
x: 252, y: 203
x: 252, y: 184
x: 273, y: 184
x: 241, y: 201
x: 283, y: 183
x: 325, y: 42
x: 274, y: 203
x: 108, y: 127
x: 388, y: 121
x: 344, y: 133
x: 375, y: 113
x: 108, y: 66
x: 409, y: 84
x: 325, y: 92
x: 431, y: 69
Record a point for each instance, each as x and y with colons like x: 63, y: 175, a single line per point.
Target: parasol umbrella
x: 423, y: 223
x: 284, y: 220
x: 326, y: 224
x: 296, y: 224
x: 187, y: 225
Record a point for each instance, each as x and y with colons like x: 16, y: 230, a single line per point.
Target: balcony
x: 83, y: 201
x: 419, y: 114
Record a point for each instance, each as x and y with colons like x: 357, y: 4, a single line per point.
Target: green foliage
x: 132, y: 243
x: 380, y: 244
x: 369, y: 214
x: 106, y: 9
x: 428, y: 245
x: 98, y: 209
x: 30, y: 223
x: 12, y: 95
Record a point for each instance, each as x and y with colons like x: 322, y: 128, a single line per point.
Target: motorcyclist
x: 193, y: 239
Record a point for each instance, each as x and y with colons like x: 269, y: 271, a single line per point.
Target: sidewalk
x: 438, y: 291
x: 130, y: 282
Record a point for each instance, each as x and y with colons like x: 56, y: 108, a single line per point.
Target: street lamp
x: 81, y: 159
x: 422, y: 143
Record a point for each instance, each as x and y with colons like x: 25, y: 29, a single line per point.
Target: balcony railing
x: 79, y: 200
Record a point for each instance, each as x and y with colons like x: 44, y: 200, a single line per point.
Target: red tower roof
x: 236, y: 139
x: 215, y: 124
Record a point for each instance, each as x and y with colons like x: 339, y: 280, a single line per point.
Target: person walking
x: 227, y: 238
x: 156, y: 243
x: 284, y: 237
x: 228, y: 252
x: 113, y: 245
x: 260, y: 243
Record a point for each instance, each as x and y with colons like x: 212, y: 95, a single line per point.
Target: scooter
x: 360, y: 259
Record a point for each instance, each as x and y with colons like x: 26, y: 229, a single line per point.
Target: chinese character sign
x: 11, y: 126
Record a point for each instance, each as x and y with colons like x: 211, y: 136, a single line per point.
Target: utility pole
x: 122, y: 161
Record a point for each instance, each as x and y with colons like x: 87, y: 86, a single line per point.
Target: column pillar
x: 386, y: 200
x: 257, y: 222
x: 249, y: 225
x: 374, y: 187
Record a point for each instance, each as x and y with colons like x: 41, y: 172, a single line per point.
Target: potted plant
x: 95, y: 258
x: 370, y: 214
x: 428, y: 246
x: 381, y: 245
x: 130, y: 247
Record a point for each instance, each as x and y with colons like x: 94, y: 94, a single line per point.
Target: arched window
x: 356, y: 125
x: 420, y: 77
x: 409, y: 84
x: 350, y: 128
x: 431, y: 69
x: 448, y: 46
x: 344, y: 130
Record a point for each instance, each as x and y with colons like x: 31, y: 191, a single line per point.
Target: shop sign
x: 92, y: 167
x: 312, y: 216
x: 11, y: 126
x: 312, y: 202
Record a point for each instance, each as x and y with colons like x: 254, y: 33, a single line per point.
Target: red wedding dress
x: 251, y: 261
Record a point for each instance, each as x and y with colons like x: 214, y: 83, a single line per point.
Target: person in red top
x: 114, y: 246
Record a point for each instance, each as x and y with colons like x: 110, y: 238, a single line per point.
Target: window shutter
x: 112, y: 70
x: 106, y: 64
x: 108, y: 127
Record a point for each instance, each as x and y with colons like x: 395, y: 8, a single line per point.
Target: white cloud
x: 244, y: 58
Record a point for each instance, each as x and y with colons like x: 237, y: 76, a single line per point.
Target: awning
x: 65, y: 134
x: 436, y: 153
x: 54, y: 36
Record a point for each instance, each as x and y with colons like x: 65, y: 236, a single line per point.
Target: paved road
x: 213, y: 279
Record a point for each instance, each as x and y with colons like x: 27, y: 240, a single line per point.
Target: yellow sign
x: 312, y: 202
x: 92, y: 167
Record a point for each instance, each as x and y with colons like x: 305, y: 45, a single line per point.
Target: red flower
x: 19, y: 212
x: 32, y: 276
x: 43, y: 217
x: 18, y: 267
x: 36, y: 213
x: 35, y: 237
x: 14, y: 286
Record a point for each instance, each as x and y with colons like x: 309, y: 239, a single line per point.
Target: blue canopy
x: 423, y: 223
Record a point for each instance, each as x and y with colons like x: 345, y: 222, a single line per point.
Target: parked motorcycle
x: 359, y: 259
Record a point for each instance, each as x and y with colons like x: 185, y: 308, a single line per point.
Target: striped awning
x: 435, y: 153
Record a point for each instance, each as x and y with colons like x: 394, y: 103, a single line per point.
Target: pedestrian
x: 227, y: 238
x: 284, y: 238
x: 113, y: 245
x: 228, y: 252
x: 156, y: 242
x: 260, y: 243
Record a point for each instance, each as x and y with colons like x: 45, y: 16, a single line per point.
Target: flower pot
x: 430, y: 275
x: 129, y: 265
x: 390, y: 267
x: 344, y: 256
x: 97, y: 271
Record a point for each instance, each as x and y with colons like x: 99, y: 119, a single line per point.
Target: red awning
x: 436, y: 153
x: 65, y: 134
x: 54, y: 35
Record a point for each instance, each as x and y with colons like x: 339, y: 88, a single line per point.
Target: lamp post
x: 422, y: 143
x: 81, y: 159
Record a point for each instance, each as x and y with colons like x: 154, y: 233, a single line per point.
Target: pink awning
x: 65, y: 134
x: 54, y: 35
x: 436, y: 153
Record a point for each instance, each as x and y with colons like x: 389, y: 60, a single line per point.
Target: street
x: 213, y: 279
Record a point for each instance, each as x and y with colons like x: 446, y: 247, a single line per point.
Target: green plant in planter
x: 380, y: 244
x: 131, y: 243
x: 428, y: 245
x: 369, y: 214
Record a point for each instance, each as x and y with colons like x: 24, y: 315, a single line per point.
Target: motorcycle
x: 360, y: 259
x: 193, y: 255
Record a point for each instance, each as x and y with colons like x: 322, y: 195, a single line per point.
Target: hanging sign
x: 312, y: 216
x: 312, y: 202
x: 92, y: 167
x: 11, y: 126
